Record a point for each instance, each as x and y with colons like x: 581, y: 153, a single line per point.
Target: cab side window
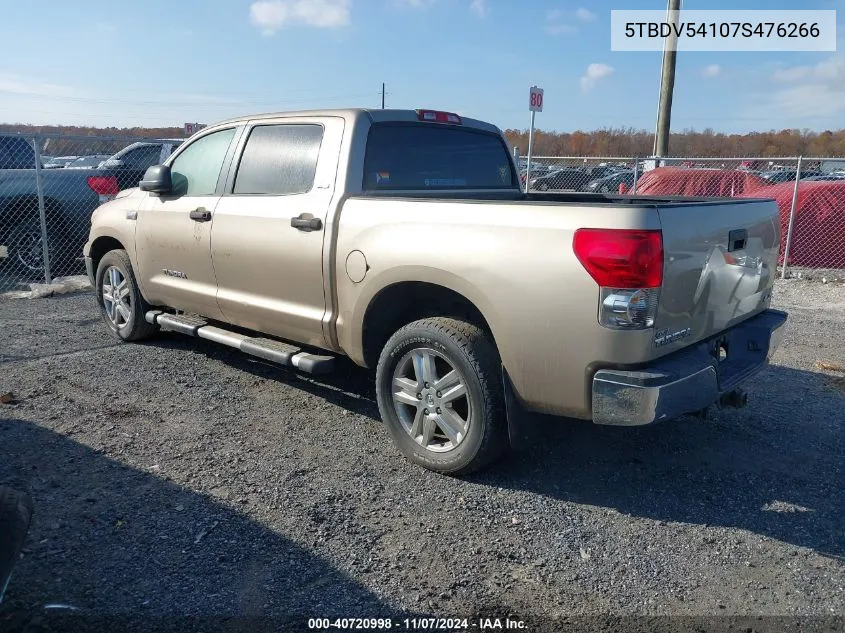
x: 196, y: 170
x: 279, y: 160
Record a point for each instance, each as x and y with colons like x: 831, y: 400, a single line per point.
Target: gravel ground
x: 178, y: 478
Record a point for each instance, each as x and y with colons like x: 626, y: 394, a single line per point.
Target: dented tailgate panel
x: 720, y: 262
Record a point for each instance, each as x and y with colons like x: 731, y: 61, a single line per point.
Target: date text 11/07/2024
x: 452, y: 625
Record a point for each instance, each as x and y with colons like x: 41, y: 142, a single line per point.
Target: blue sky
x: 165, y: 62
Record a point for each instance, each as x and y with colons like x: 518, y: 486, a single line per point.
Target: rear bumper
x: 687, y: 381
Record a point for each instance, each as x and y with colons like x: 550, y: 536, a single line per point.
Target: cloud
x: 479, y: 7
x: 414, y: 4
x: 585, y: 15
x: 559, y: 22
x: 15, y: 84
x: 272, y: 15
x: 788, y: 75
x: 710, y: 71
x: 594, y: 74
x: 560, y: 29
x: 555, y: 24
x: 810, y: 91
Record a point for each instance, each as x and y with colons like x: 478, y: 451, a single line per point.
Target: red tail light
x: 104, y: 185
x: 436, y: 116
x: 621, y: 258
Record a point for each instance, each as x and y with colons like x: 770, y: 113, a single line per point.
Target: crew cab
x: 402, y: 240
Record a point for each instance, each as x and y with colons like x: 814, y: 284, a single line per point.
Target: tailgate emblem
x: 664, y: 337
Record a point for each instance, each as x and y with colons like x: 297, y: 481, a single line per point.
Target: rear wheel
x: 25, y: 249
x: 440, y: 393
x: 543, y: 186
x: 121, y: 304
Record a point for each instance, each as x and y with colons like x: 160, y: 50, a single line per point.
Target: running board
x: 264, y: 348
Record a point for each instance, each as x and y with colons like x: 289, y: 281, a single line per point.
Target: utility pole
x: 382, y: 95
x: 667, y: 84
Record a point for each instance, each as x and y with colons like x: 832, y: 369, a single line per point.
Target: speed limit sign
x: 535, y: 99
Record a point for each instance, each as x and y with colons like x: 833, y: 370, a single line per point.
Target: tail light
x: 628, y: 267
x: 435, y: 116
x: 104, y: 185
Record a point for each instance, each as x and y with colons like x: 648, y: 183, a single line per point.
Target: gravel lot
x: 178, y: 478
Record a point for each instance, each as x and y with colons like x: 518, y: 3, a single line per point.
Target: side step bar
x: 266, y: 349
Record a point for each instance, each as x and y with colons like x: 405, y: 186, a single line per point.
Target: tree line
x: 621, y: 142
x: 624, y: 142
x: 54, y: 145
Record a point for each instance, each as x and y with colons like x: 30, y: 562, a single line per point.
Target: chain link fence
x: 49, y: 186
x: 810, y: 193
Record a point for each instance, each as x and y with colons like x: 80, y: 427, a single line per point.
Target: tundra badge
x: 664, y: 337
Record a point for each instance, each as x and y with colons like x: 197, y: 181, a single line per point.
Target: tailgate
x: 720, y: 261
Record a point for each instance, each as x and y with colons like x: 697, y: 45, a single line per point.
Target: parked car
x: 601, y: 171
x: 784, y: 175
x: 536, y: 171
x: 87, y: 162
x: 58, y: 162
x: 610, y: 184
x: 567, y: 179
x: 279, y: 235
x: 16, y: 153
x: 70, y: 196
x: 827, y: 177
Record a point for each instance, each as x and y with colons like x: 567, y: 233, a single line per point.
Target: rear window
x: 432, y: 156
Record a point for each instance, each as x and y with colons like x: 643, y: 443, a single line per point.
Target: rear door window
x: 279, y: 160
x: 419, y: 156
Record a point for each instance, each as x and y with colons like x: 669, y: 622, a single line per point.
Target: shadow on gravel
x: 774, y: 468
x: 349, y: 386
x: 114, y: 541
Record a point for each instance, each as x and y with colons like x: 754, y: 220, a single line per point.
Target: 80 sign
x: 535, y: 99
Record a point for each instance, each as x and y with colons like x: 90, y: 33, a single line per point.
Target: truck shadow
x: 774, y: 468
x: 349, y: 386
x: 133, y: 551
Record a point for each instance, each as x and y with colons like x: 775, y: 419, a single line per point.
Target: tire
x: 434, y: 440
x: 543, y: 186
x: 25, y: 249
x: 126, y: 321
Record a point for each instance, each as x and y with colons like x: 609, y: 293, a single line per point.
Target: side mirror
x: 157, y: 180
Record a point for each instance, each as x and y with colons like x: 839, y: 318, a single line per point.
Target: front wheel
x: 121, y: 304
x: 439, y: 390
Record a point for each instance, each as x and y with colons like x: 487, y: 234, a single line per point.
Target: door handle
x: 306, y: 222
x: 200, y: 215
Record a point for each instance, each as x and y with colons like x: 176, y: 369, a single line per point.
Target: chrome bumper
x: 687, y: 381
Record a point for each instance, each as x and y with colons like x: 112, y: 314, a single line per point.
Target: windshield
x: 431, y: 156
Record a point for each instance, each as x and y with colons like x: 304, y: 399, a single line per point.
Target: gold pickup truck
x: 402, y: 240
